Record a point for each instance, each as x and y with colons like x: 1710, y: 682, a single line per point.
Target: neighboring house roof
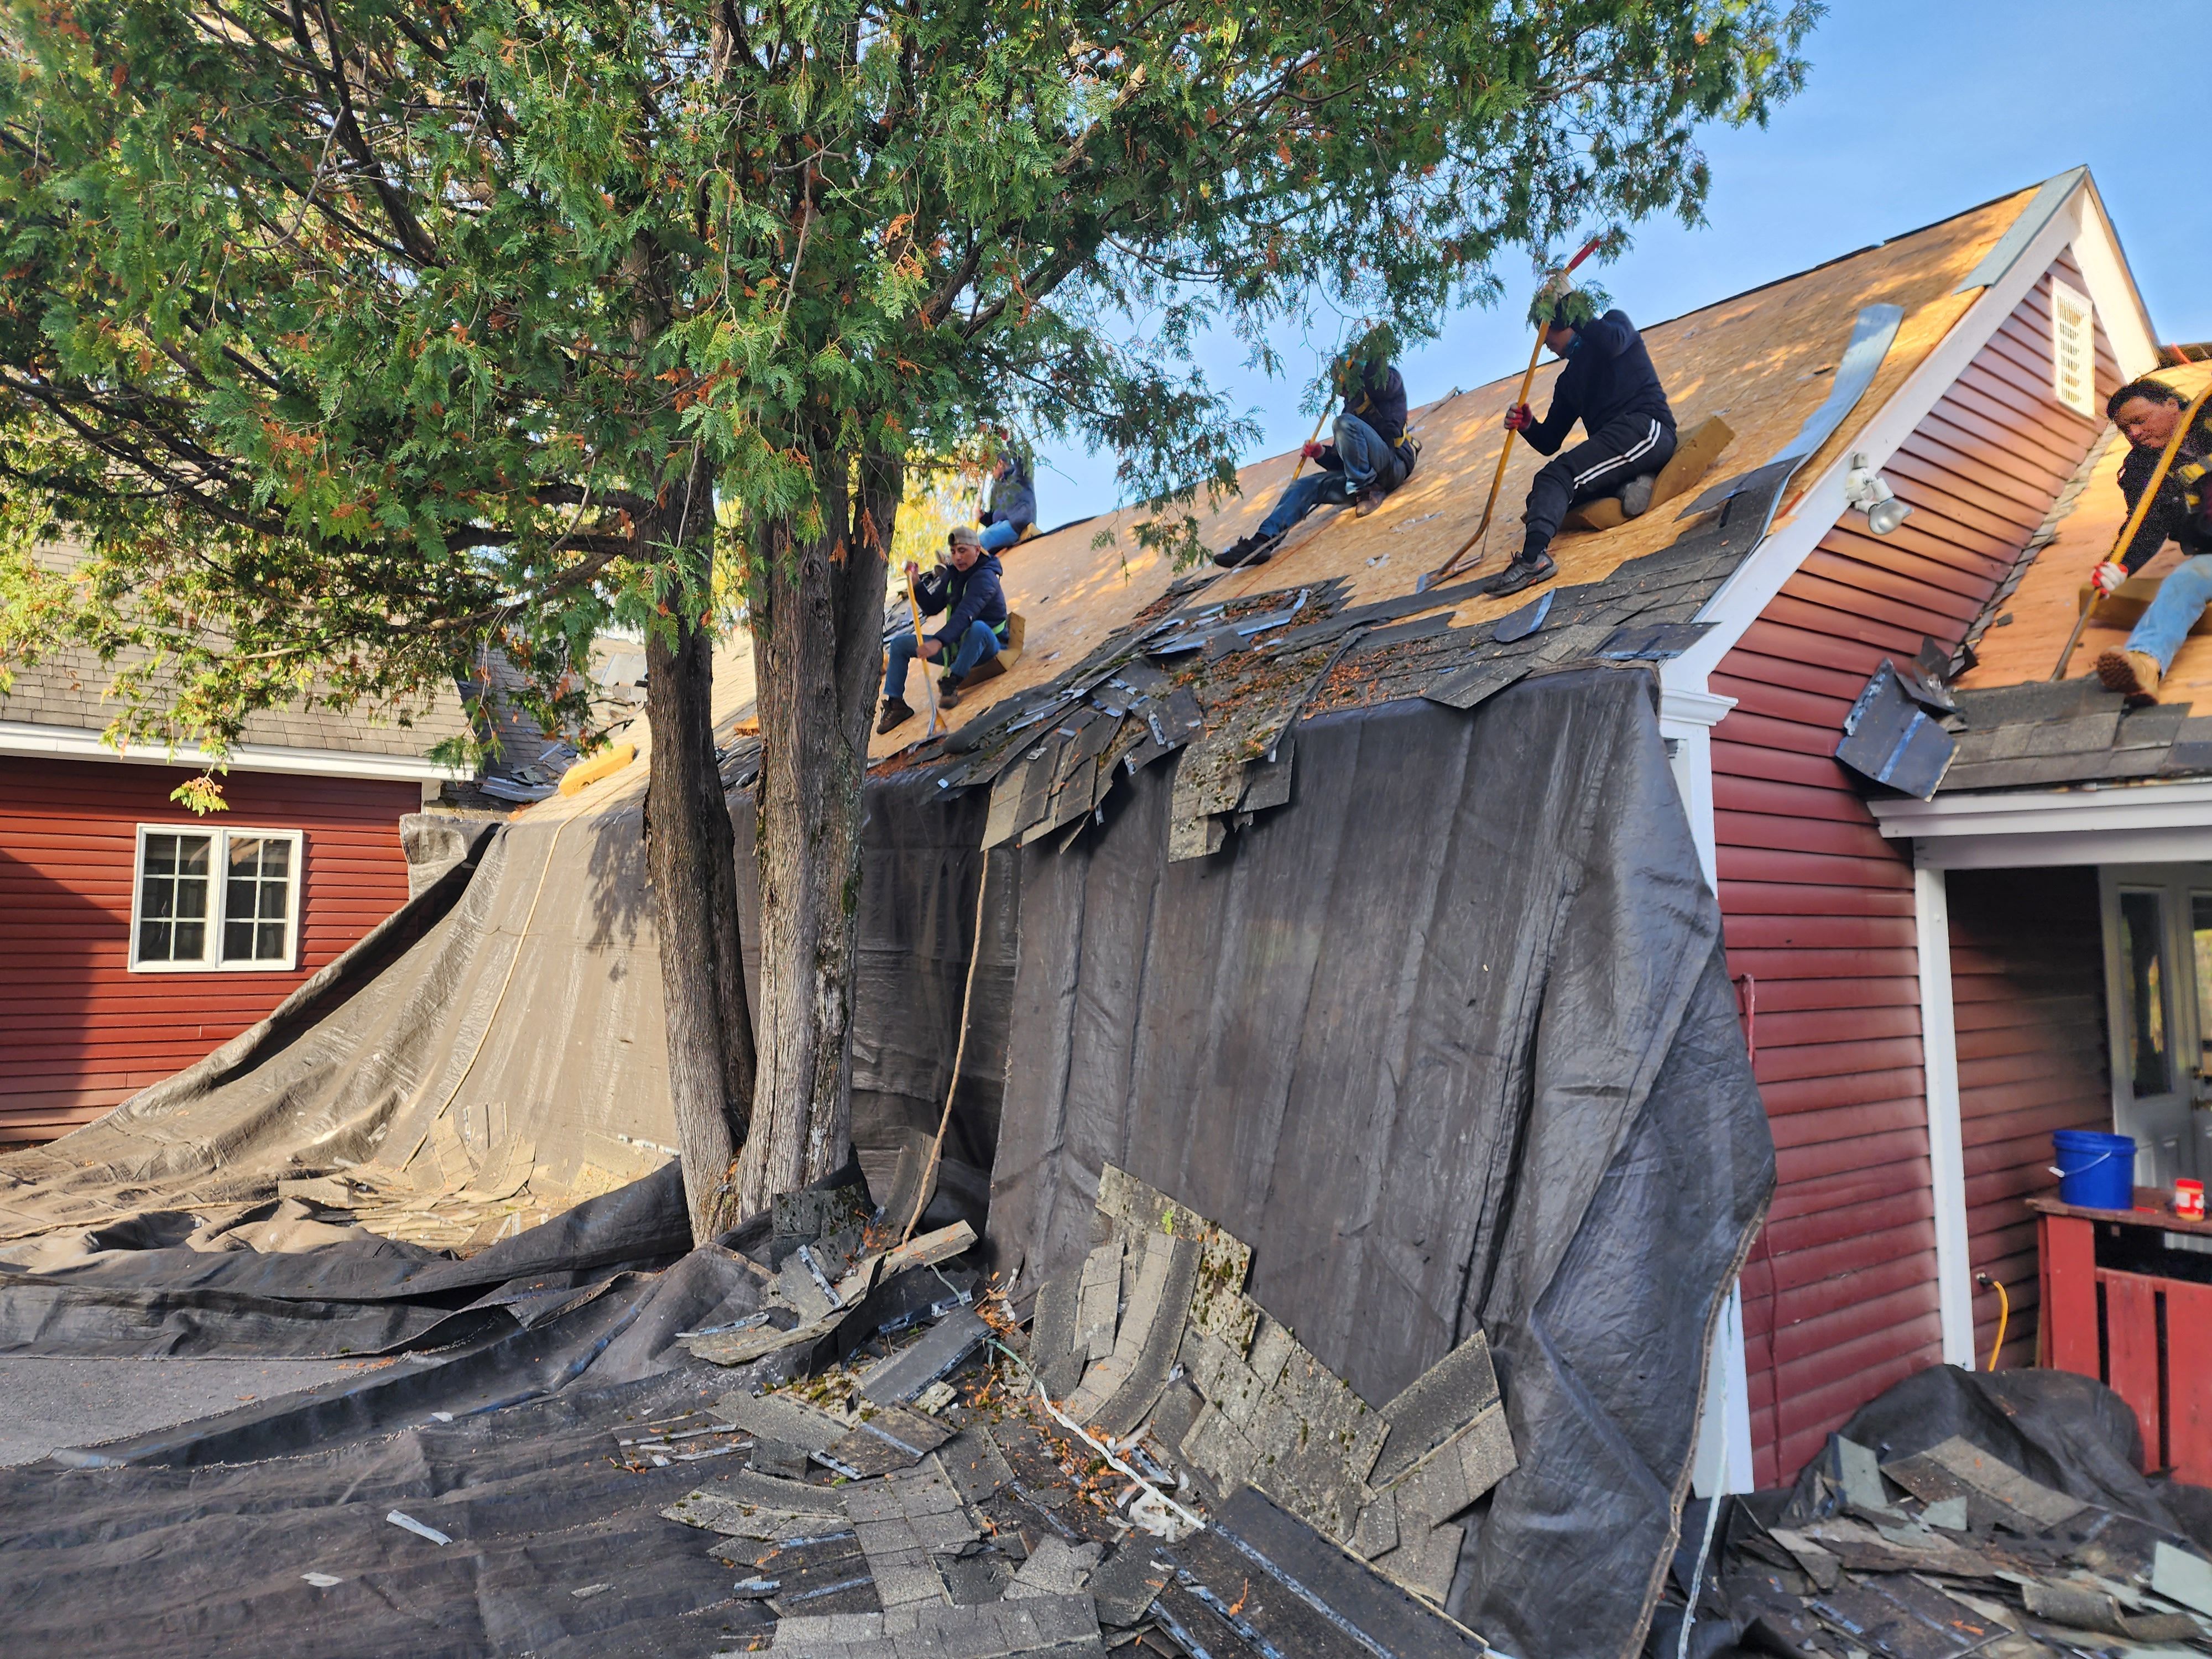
x: 55, y: 707
x: 2023, y: 730
x: 1765, y: 361
x: 618, y: 694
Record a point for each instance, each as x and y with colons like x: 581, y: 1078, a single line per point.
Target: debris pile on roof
x: 2073, y: 732
x: 1155, y: 1463
x: 1946, y: 1552
x: 1227, y: 681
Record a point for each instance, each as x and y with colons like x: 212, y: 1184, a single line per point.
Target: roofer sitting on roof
x: 1609, y: 386
x: 2147, y: 412
x: 1371, y: 455
x: 975, y: 631
x: 1013, y: 502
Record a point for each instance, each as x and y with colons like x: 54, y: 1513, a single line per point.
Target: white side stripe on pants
x: 1634, y: 453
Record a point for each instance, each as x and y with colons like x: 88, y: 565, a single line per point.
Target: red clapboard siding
x: 2027, y: 976
x: 79, y: 1032
x: 1839, y: 1297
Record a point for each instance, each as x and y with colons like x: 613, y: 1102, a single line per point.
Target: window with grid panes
x: 172, y: 896
x: 220, y: 898
x: 257, y: 899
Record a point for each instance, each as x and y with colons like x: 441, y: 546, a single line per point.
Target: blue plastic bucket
x: 2095, y: 1171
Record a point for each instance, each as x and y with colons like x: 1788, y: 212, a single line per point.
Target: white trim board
x: 2113, y: 288
x: 28, y: 739
x: 1947, y: 1156
x: 2096, y: 823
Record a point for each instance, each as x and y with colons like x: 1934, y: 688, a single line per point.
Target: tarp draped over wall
x: 1449, y: 1044
x: 1448, y: 1041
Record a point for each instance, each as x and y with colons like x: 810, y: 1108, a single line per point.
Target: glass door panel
x: 2158, y: 980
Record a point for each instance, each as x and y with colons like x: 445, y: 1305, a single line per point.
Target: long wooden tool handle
x: 922, y: 655
x: 1505, y: 450
x: 2166, y: 459
x: 1310, y: 436
x: 1504, y: 453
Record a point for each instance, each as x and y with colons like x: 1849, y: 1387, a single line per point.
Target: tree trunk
x: 817, y: 622
x: 690, y: 860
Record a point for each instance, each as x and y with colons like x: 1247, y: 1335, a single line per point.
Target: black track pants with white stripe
x: 1624, y: 449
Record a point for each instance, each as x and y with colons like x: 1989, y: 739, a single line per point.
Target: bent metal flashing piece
x: 1872, y: 334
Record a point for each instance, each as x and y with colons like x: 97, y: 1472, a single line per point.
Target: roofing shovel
x: 922, y: 651
x: 2181, y: 428
x: 1497, y: 478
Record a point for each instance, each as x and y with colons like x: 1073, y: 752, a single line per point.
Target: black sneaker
x: 1236, y: 552
x: 895, y: 714
x: 1521, y: 572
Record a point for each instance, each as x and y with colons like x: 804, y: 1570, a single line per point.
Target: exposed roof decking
x: 2045, y: 604
x: 1764, y: 360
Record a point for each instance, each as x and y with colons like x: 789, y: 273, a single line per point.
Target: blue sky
x: 1912, y: 113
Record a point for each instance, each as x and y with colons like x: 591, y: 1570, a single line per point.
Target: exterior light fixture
x: 1869, y: 491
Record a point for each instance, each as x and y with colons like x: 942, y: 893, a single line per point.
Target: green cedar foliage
x: 342, y: 338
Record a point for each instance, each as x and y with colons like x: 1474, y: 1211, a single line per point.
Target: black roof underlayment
x: 1450, y: 1044
x: 1438, y: 1025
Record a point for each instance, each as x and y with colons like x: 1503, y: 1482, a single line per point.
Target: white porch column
x: 1688, y: 715
x: 1947, y: 1166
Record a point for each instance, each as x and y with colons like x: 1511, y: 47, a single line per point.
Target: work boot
x: 946, y: 685
x: 2134, y: 673
x: 895, y: 714
x: 1369, y: 501
x: 1524, y: 572
x: 948, y: 696
x: 1238, y: 552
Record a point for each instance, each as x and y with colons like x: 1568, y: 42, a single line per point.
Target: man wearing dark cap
x: 2148, y: 412
x: 1371, y: 456
x: 1609, y: 386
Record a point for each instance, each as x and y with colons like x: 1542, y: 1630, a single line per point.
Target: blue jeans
x: 1365, y: 457
x: 998, y: 537
x: 980, y: 642
x: 2181, y: 600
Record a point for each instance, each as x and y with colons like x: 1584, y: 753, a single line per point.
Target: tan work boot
x: 2134, y: 673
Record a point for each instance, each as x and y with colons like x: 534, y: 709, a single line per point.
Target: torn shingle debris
x: 1219, y: 684
x: 1154, y: 1461
x: 1948, y: 1548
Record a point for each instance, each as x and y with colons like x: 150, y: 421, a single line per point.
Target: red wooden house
x: 1918, y: 1034
x: 136, y: 936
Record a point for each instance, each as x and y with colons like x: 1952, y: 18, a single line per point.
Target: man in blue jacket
x: 1609, y: 386
x: 1013, y: 502
x: 976, y: 630
x: 1372, y: 455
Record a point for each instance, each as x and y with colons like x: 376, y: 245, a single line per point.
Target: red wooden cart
x: 2125, y: 1302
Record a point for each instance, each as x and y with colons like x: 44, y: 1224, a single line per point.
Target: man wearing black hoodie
x: 976, y: 630
x: 1372, y: 455
x: 1610, y: 386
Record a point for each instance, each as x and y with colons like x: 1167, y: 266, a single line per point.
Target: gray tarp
x: 1449, y: 1042
x: 501, y: 1052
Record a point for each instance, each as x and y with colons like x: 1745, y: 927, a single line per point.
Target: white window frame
x: 219, y: 892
